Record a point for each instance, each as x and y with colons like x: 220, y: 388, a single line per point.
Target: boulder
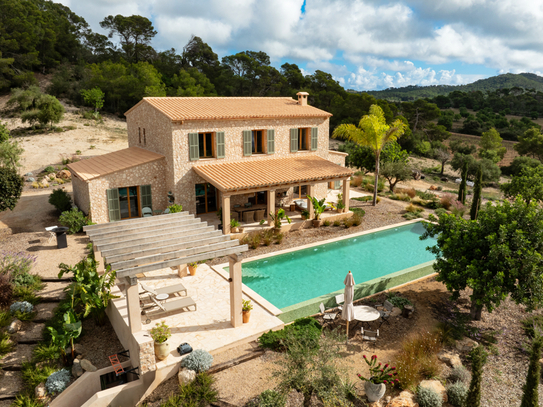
x: 52, y: 176
x: 405, y: 399
x: 186, y: 376
x: 452, y: 359
x: 64, y: 174
x: 295, y: 399
x: 14, y: 326
x: 44, y: 182
x: 396, y: 312
x: 31, y: 179
x: 88, y: 366
x: 28, y: 174
x: 466, y: 344
x: 315, y: 401
x: 40, y: 391
x: 432, y: 188
x: 77, y: 370
x: 436, y: 386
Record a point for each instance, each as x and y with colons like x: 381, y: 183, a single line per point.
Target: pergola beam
x: 139, y: 221
x: 136, y: 230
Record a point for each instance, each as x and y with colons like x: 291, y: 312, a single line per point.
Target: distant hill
x: 508, y: 80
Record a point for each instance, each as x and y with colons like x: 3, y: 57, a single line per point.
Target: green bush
x: 26, y: 400
x: 457, y: 394
x: 532, y: 322
x: 45, y: 353
x: 6, y: 345
x: 398, y: 300
x: 175, y: 208
x: 428, y: 398
x: 307, y: 330
x: 61, y: 200
x: 440, y: 212
x: 477, y: 357
x: 337, y: 223
x: 271, y: 398
x: 49, y: 169
x: 74, y: 220
x: 5, y: 316
x: 198, y: 393
x: 198, y: 361
x: 459, y: 374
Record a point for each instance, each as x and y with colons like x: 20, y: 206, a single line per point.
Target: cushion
x: 248, y: 204
x: 237, y: 206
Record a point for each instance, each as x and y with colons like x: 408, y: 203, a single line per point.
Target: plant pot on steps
x: 235, y: 230
x: 374, y: 392
x: 246, y: 315
x: 162, y: 350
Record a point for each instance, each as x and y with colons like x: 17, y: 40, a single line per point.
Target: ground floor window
x: 128, y: 202
x: 206, y: 198
x: 334, y: 185
x: 259, y: 198
x: 300, y: 192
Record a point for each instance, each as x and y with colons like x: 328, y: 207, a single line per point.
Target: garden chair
x: 340, y: 299
x: 327, y: 316
x: 172, y: 289
x: 166, y: 211
x: 385, y: 314
x: 249, y: 216
x: 259, y: 215
x: 370, y: 335
x: 145, y: 212
x: 167, y: 307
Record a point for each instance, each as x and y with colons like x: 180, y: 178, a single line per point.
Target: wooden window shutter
x: 293, y: 140
x: 314, y: 138
x: 221, y: 149
x: 113, y: 204
x: 194, y: 151
x: 247, y: 142
x: 145, y: 196
x: 271, y: 141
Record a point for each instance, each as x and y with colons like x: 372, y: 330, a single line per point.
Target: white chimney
x: 302, y: 98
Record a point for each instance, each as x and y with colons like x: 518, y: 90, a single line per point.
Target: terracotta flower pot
x: 246, y: 316
x: 374, y: 392
x: 162, y: 350
x: 235, y: 230
x: 192, y: 270
x: 317, y: 223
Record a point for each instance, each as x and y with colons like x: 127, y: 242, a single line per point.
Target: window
x: 303, y: 193
x: 127, y: 202
x: 139, y: 133
x: 258, y: 141
x: 303, y: 142
x: 304, y: 139
x: 144, y: 138
x: 205, y: 145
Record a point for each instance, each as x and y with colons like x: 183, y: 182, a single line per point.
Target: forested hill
x: 508, y: 80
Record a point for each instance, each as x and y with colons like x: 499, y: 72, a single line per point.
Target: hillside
x: 509, y: 80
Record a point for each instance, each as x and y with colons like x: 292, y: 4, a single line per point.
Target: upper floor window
x: 303, y: 139
x: 206, y: 145
x: 258, y: 142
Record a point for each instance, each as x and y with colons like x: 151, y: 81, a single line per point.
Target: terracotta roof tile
x: 101, y: 165
x: 239, y: 175
x: 213, y: 108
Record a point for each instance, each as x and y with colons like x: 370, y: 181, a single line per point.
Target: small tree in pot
x: 160, y: 334
x: 375, y: 385
x: 318, y: 207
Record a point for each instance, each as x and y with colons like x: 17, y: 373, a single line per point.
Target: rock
x: 295, y: 399
x: 28, y: 174
x: 466, y: 344
x: 436, y: 386
x: 51, y: 177
x: 405, y: 399
x: 64, y: 174
x: 77, y: 370
x: 379, y: 403
x: 79, y: 351
x: 396, y: 312
x: 88, y: 366
x: 40, y: 391
x: 432, y: 188
x: 452, y: 359
x: 186, y: 376
x: 315, y: 401
x: 44, y: 182
x: 14, y: 326
x: 31, y: 179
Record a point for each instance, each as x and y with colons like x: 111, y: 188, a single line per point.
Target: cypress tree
x: 477, y: 195
x: 463, y: 186
x: 530, y: 398
x: 477, y: 357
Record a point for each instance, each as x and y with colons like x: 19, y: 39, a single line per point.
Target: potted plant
x: 318, y: 207
x: 380, y: 376
x: 279, y: 215
x: 234, y: 225
x: 160, y: 334
x: 192, y: 268
x: 305, y: 214
x: 340, y: 204
x: 246, y: 310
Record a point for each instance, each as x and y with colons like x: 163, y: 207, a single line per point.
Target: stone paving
x: 22, y: 353
x: 209, y: 327
x: 11, y: 382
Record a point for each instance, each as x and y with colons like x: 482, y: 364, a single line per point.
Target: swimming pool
x: 301, y: 275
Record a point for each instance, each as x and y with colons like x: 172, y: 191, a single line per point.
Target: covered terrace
x: 245, y: 177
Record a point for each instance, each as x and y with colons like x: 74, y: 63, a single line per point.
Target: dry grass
x: 446, y: 200
x: 408, y: 191
x: 412, y: 208
x: 357, y: 181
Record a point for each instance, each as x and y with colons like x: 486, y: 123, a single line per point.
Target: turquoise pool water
x: 291, y: 278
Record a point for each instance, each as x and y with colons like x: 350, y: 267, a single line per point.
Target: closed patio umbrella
x: 347, y: 313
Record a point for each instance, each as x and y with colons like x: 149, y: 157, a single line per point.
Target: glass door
x: 128, y: 202
x: 201, y: 198
x: 206, y: 198
x: 211, y: 198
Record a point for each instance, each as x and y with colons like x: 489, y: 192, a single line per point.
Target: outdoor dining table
x: 241, y: 209
x: 365, y: 313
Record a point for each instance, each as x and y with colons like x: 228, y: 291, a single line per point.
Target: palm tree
x: 374, y: 132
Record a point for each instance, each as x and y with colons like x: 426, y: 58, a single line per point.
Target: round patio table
x: 365, y: 313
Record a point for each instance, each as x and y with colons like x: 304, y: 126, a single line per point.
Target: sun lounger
x: 172, y: 289
x: 170, y: 306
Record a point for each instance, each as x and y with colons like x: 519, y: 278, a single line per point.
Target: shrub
x: 32, y: 281
x: 5, y: 316
x: 398, y: 300
x: 326, y: 223
x: 530, y: 396
x: 337, y: 223
x: 58, y: 381
x: 532, y: 323
x: 306, y: 330
x: 412, y: 208
x: 49, y: 169
x: 12, y: 185
x: 175, y: 208
x: 428, y: 397
x: 477, y: 357
x: 74, y: 220
x: 5, y: 344
x: 13, y: 264
x: 357, y: 219
x: 348, y: 223
x: 411, y: 192
x: 458, y: 208
x: 34, y: 375
x: 254, y: 240
x: 45, y: 353
x: 457, y: 393
x: 61, y: 200
x: 21, y: 306
x: 25, y: 400
x: 6, y: 291
x: 459, y: 374
x: 279, y: 238
x: 427, y: 196
x: 24, y: 293
x: 198, y: 360
x: 357, y: 181
x: 417, y: 359
x: 271, y: 398
x: 447, y: 200
x: 200, y: 392
x: 440, y: 212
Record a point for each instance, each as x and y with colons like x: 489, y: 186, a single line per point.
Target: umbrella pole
x: 347, y: 331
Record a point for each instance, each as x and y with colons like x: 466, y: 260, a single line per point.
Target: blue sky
x: 364, y: 44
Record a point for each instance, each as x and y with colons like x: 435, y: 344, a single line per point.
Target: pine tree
x: 477, y: 195
x: 462, y: 191
x: 530, y: 398
x: 477, y: 357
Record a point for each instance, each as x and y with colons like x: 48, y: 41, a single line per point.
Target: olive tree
x: 498, y: 255
x: 528, y: 184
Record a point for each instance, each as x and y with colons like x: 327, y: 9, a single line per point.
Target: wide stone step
x: 30, y: 332
x: 53, y: 291
x: 45, y: 311
x: 14, y: 360
x: 11, y: 383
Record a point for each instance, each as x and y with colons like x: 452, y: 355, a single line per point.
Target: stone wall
x: 146, y: 174
x: 147, y: 361
x: 81, y: 194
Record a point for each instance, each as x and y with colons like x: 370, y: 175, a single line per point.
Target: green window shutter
x: 271, y: 141
x: 220, y: 148
x: 314, y: 138
x: 145, y: 196
x: 194, y: 152
x: 113, y: 204
x: 293, y: 140
x: 337, y: 184
x: 247, y: 142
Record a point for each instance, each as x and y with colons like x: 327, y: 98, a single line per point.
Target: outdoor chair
x: 327, y: 316
x: 259, y: 215
x: 170, y: 306
x: 340, y: 299
x: 385, y: 315
x: 249, y: 216
x: 166, y: 211
x: 146, y: 212
x: 369, y: 335
x: 172, y: 289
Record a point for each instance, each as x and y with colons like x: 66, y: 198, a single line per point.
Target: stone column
x: 346, y: 191
x: 310, y: 192
x: 226, y: 214
x: 271, y: 206
x: 235, y: 290
x: 133, y: 305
